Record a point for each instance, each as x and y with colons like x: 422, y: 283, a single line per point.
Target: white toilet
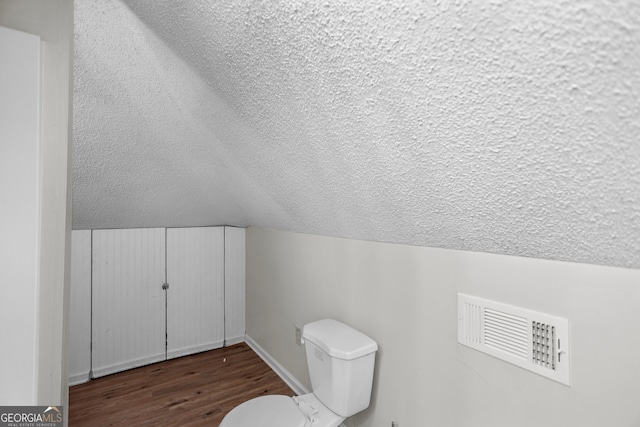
x: 340, y: 361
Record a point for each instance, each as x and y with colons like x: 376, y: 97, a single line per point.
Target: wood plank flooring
x: 194, y: 390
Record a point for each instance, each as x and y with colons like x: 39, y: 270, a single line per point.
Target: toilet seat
x: 282, y: 411
x: 266, y: 411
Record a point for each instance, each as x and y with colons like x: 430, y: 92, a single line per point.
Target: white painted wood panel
x: 234, y: 283
x: 80, y: 308
x: 20, y: 192
x: 128, y: 303
x: 195, y: 299
x: 52, y: 22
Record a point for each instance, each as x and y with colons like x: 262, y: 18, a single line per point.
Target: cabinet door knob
x: 165, y: 286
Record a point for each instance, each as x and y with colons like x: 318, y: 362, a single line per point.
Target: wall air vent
x: 531, y: 340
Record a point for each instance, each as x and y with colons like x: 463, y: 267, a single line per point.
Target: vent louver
x: 531, y: 340
x: 505, y: 332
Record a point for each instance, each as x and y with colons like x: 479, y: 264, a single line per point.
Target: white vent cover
x: 534, y: 341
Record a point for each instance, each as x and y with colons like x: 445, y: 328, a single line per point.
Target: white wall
x: 19, y: 226
x: 405, y: 298
x: 52, y: 21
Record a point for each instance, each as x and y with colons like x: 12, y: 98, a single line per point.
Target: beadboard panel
x: 128, y: 303
x: 234, y: 283
x: 80, y: 307
x: 195, y: 298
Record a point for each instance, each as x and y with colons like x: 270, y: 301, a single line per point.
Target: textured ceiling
x: 505, y: 126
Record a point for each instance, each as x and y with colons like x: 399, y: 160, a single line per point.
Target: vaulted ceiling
x: 499, y: 126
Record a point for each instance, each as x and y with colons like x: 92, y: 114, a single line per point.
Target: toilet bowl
x: 340, y: 361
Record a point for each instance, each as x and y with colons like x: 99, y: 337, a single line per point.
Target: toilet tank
x: 341, y: 362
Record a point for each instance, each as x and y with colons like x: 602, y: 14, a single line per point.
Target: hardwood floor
x: 194, y: 390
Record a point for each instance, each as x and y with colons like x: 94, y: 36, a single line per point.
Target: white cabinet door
x: 195, y: 298
x: 80, y: 307
x: 128, y: 302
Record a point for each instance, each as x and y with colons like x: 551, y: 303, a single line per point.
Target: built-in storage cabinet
x: 127, y: 300
x: 195, y: 294
x: 154, y: 294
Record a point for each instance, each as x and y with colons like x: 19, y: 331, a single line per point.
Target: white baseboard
x: 135, y: 363
x: 286, y: 376
x: 76, y: 379
x: 233, y: 340
x: 187, y: 351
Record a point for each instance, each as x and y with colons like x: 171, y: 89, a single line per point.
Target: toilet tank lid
x: 338, y: 340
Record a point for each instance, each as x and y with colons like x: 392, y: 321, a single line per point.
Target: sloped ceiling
x: 499, y: 126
